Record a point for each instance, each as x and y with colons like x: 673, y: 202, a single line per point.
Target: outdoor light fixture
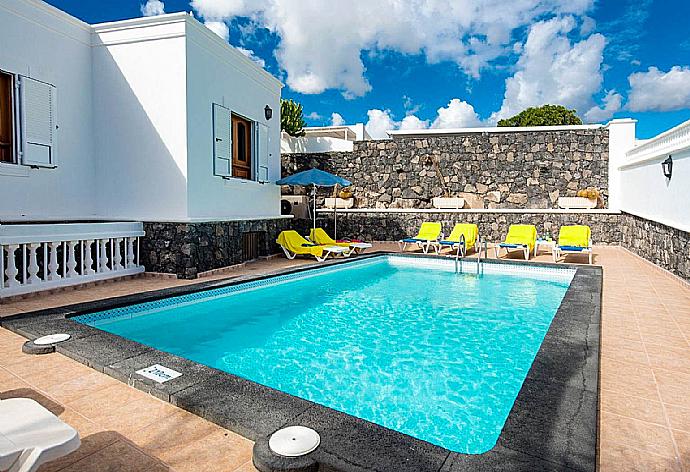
x: 268, y: 112
x: 667, y: 167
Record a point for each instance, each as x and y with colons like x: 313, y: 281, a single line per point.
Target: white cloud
x: 412, y: 122
x: 612, y: 103
x: 250, y: 54
x: 314, y: 116
x: 152, y: 8
x: 656, y: 90
x: 553, y: 69
x: 218, y: 27
x: 458, y: 114
x: 337, y: 119
x: 321, y: 47
x: 379, y: 122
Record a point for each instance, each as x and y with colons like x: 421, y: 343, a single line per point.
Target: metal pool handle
x: 461, y: 244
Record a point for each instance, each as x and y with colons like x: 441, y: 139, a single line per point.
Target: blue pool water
x: 424, y: 351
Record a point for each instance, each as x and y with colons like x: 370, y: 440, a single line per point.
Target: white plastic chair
x: 30, y: 435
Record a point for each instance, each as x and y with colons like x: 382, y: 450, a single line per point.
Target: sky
x: 409, y: 64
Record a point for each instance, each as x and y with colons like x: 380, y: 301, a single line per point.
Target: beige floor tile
x: 678, y: 417
x: 673, y: 387
x: 104, y: 401
x: 641, y: 435
x: 616, y: 457
x: 246, y: 467
x: 683, y: 443
x: 134, y: 415
x: 80, y: 386
x: 171, y: 433
x: 221, y: 451
x: 119, y: 456
x: 669, y: 358
x: 632, y: 407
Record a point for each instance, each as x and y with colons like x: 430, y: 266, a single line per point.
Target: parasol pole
x: 335, y: 214
x: 314, y: 206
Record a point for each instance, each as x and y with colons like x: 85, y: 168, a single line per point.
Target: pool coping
x: 551, y: 426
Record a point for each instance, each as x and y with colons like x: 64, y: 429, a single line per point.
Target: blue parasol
x: 317, y: 178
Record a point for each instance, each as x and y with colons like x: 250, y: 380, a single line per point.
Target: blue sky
x: 453, y: 63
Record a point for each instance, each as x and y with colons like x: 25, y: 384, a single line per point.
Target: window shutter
x: 263, y: 155
x: 222, y: 141
x: 39, y: 126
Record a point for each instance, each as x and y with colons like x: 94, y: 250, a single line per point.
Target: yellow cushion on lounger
x: 522, y: 234
x: 320, y: 236
x: 293, y: 242
x: 429, y: 231
x: 574, y: 236
x: 470, y: 232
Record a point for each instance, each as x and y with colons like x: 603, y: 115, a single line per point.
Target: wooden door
x: 6, y: 115
x: 241, y: 148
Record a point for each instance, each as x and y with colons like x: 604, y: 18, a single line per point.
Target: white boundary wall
x: 646, y: 192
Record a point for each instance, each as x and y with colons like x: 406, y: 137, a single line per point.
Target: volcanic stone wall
x: 490, y: 170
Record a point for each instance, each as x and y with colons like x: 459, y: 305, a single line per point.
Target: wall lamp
x: 268, y: 112
x: 667, y: 167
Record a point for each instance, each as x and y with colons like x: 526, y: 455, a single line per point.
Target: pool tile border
x: 552, y: 425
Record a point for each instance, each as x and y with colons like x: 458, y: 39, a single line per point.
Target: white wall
x: 218, y: 74
x: 621, y: 140
x: 39, y: 41
x: 306, y: 144
x: 645, y: 191
x: 139, y: 81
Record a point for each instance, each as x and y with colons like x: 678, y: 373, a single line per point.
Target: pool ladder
x: 461, y: 250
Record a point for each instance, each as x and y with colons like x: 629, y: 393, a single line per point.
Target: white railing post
x: 54, y: 273
x: 11, y: 270
x: 33, y: 264
x: 88, y: 260
x: 117, y: 255
x: 71, y: 259
x: 104, y: 256
x: 130, y: 253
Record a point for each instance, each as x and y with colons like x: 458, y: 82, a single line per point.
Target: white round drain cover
x: 294, y: 441
x: 51, y: 339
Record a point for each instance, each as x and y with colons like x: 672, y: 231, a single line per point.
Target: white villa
x: 154, y: 119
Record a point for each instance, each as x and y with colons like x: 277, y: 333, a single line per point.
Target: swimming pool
x: 403, y: 342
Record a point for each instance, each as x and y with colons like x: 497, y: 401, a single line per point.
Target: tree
x: 291, y: 119
x: 546, y: 115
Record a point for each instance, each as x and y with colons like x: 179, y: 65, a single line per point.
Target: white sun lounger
x: 30, y: 435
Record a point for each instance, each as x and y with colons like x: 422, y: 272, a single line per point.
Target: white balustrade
x: 46, y: 256
x: 667, y: 143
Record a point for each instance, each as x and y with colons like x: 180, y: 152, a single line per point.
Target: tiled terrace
x: 645, y: 380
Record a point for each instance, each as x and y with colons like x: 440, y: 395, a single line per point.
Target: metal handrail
x: 461, y: 245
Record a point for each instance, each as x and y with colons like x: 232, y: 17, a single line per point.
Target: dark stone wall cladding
x: 606, y: 229
x: 186, y: 249
x: 664, y: 246
x: 490, y: 170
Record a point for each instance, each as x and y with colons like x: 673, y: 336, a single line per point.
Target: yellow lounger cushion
x: 293, y: 242
x: 320, y: 236
x: 574, y: 236
x: 522, y: 234
x: 429, y: 231
x: 470, y: 232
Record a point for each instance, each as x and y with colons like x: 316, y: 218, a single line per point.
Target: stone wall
x: 490, y: 170
x: 664, y: 246
x: 606, y: 228
x: 187, y: 249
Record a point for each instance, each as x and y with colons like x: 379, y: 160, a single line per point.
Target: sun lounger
x: 523, y: 237
x: 467, y: 233
x: 30, y: 435
x: 425, y: 239
x: 319, y: 236
x: 293, y: 244
x: 574, y: 239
